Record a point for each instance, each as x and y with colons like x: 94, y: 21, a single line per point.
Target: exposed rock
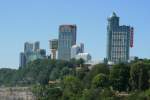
x: 16, y: 93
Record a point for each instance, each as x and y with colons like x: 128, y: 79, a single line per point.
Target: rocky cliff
x: 16, y: 93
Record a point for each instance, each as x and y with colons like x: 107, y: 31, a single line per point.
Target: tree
x: 72, y: 83
x: 80, y: 62
x: 72, y: 88
x: 65, y: 71
x: 47, y: 92
x: 87, y: 95
x: 108, y: 94
x: 99, y: 68
x: 139, y: 76
x: 119, y: 77
x: 81, y: 72
x: 100, y: 81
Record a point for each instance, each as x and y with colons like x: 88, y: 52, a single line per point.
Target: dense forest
x: 73, y: 80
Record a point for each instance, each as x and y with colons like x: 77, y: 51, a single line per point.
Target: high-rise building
x: 67, y: 38
x: 42, y: 53
x: 53, y: 47
x: 118, y: 40
x: 81, y: 47
x: 22, y: 60
x: 31, y: 52
x: 36, y: 45
x: 28, y: 47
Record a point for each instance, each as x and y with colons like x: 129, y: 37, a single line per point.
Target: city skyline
x: 34, y: 20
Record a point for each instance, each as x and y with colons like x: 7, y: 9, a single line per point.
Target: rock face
x: 16, y: 93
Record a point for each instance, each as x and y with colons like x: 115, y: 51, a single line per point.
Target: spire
x: 113, y: 14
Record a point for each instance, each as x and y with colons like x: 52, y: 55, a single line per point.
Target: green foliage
x: 100, y: 81
x: 7, y: 76
x: 47, y: 92
x: 108, y: 94
x: 72, y: 88
x: 99, y: 68
x: 138, y: 95
x: 77, y: 63
x: 72, y: 83
x: 87, y: 94
x: 81, y: 72
x: 73, y: 80
x: 119, y: 77
x: 139, y: 77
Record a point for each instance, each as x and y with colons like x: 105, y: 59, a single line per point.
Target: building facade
x: 67, y: 38
x: 22, y: 60
x: 53, y: 48
x: 28, y: 47
x: 85, y: 56
x: 76, y: 49
x: 118, y: 40
x: 36, y: 46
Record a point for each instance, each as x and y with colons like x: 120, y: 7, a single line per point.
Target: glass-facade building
x: 31, y: 52
x: 67, y: 38
x: 36, y: 46
x: 118, y: 41
x: 22, y: 60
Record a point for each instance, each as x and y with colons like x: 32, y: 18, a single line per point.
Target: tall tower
x: 28, y: 47
x: 53, y: 47
x: 118, y: 40
x: 36, y: 46
x: 67, y: 38
x: 22, y: 59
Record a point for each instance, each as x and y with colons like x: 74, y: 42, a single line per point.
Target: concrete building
x: 67, y: 38
x: 118, y: 40
x: 53, y: 47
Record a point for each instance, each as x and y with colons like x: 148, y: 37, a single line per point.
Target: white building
x: 85, y: 56
x: 76, y: 49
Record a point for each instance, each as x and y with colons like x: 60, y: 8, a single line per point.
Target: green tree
x: 72, y: 88
x: 80, y: 62
x: 139, y: 76
x: 81, y: 72
x: 100, y: 81
x: 107, y: 94
x: 47, y: 92
x: 99, y: 68
x: 119, y: 77
x: 90, y: 94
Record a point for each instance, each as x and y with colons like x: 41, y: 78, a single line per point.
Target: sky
x: 38, y: 20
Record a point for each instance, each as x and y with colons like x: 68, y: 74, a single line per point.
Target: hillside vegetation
x: 62, y: 80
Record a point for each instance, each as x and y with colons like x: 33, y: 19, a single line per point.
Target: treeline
x: 62, y: 80
x: 38, y: 72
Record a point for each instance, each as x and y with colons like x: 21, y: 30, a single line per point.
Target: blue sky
x: 31, y: 20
